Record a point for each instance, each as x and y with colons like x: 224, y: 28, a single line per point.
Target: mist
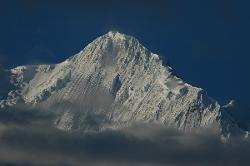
x: 28, y: 138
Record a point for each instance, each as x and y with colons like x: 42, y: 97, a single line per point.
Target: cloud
x: 22, y: 115
x: 28, y: 137
x: 33, y: 143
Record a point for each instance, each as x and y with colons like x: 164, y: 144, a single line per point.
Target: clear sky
x: 206, y: 41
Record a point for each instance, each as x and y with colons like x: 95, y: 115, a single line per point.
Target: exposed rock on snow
x: 114, y: 82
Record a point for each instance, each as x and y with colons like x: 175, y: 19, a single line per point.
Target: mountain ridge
x: 113, y: 82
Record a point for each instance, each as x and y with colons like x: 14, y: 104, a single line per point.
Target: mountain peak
x: 117, y: 36
x: 113, y: 82
x: 113, y: 32
x: 114, y: 45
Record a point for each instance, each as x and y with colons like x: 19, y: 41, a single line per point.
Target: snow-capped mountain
x: 114, y: 82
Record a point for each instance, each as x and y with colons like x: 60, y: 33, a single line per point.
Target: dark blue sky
x: 207, y: 42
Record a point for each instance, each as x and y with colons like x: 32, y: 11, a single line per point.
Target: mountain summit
x: 112, y: 83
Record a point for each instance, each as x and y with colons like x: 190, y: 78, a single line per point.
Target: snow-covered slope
x: 112, y: 83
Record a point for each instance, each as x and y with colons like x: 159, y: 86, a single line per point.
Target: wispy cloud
x: 27, y: 139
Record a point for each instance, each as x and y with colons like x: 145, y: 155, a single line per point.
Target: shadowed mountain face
x: 5, y: 85
x: 240, y: 113
x: 112, y: 83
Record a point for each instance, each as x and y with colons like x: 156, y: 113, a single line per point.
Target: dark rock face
x: 4, y: 83
x: 116, y: 85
